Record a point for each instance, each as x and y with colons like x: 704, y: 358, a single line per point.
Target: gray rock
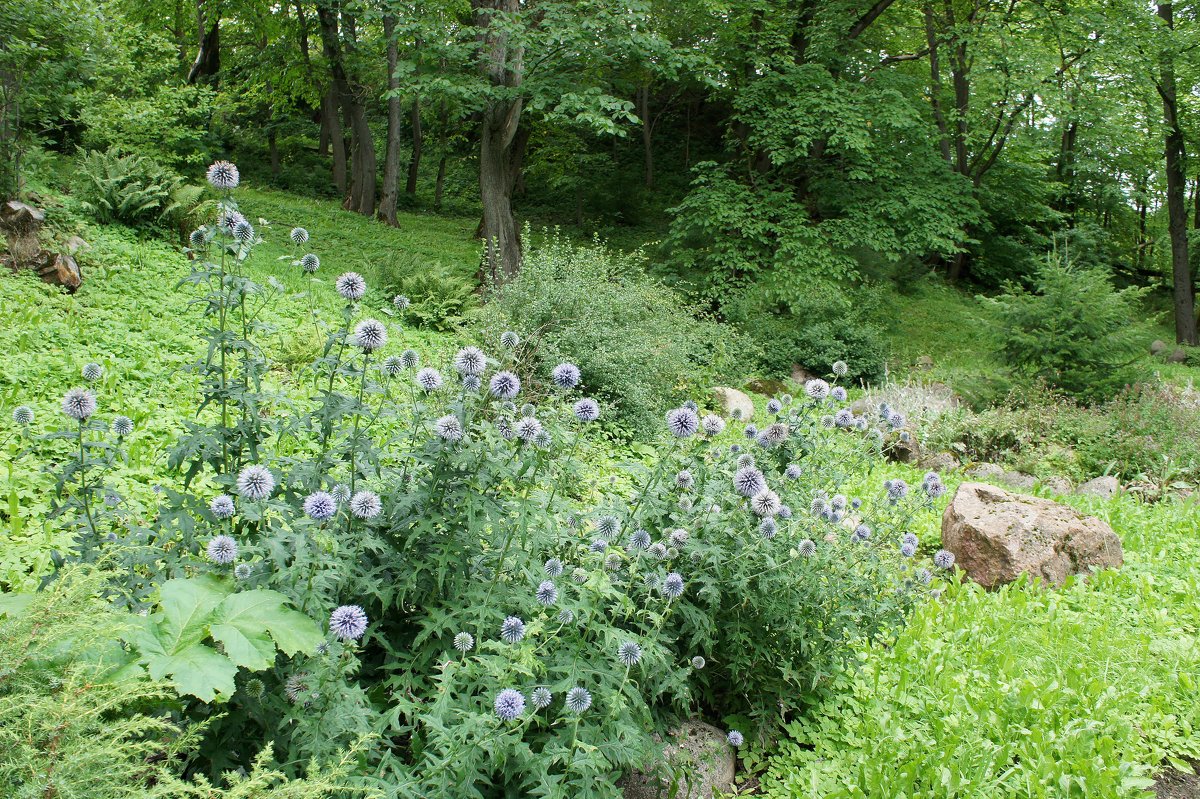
x: 902, y: 451
x: 1019, y: 480
x: 732, y: 402
x: 939, y: 462
x: 1178, y: 355
x: 1157, y: 346
x: 985, y: 471
x: 925, y: 363
x: 1057, y: 484
x: 767, y: 387
x: 696, y: 764
x: 800, y: 374
x: 996, y: 536
x: 1105, y: 487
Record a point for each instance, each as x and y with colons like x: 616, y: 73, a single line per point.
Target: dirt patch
x: 1174, y: 784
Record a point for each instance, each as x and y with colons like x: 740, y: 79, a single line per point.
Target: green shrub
x: 635, y: 339
x: 132, y: 190
x: 170, y: 126
x: 1072, y: 330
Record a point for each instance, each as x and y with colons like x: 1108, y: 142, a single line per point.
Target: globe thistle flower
x: 785, y: 511
x: 856, y: 503
x: 935, y: 490
x: 767, y: 528
x: 843, y: 418
x: 608, y: 527
x: 841, y: 368
x: 943, y: 559
x: 543, y: 440
x: 683, y: 422
x: 774, y: 406
x: 684, y: 479
x: 816, y: 389
x: 829, y: 421
x: 296, y: 686
x: 310, y: 263
x: 541, y: 698
x: 566, y: 616
x: 598, y: 546
x: 255, y: 482
x: 565, y: 375
x: 92, y: 372
x: 223, y: 176
x: 792, y: 472
x: 776, y: 433
x: 510, y: 340
x: 679, y: 536
x: 348, y: 622
x: 528, y: 429
x: 587, y: 410
x: 351, y: 286
x: 429, y: 379
x: 612, y: 562
x: 401, y: 303
x: 735, y: 448
x: 896, y: 489
x: 366, y: 505
x: 410, y: 359
x: 464, y: 642
x: 744, y: 460
x: 924, y: 576
x: 229, y: 218
x: 639, y: 540
x: 320, y: 506
x: 862, y: 532
x: 509, y: 704
x: 512, y: 629
x: 838, y: 502
x: 242, y: 571
x: 578, y: 699
x: 910, y: 538
x: 657, y: 551
x: 685, y: 504
x: 672, y: 586
x: 448, y: 428
x: 895, y: 420
x: 698, y: 662
x: 79, y: 404
x: 504, y: 385
x: 221, y: 506
x: 122, y: 426
x: 370, y: 335
x: 547, y: 593
x: 806, y: 548
x: 736, y: 413
x: 471, y: 383
x: 735, y: 738
x: 629, y: 653
x: 243, y: 232
x: 908, y: 549
x: 750, y: 431
x: 860, y: 424
x: 340, y: 493
x: 392, y: 366
x: 579, y: 575
x: 749, y: 481
x: 838, y: 393
x: 470, y: 361
x: 528, y: 410
x: 198, y: 239
x: 765, y: 503
x: 298, y: 236
x: 23, y: 415
x: 553, y: 567
x: 712, y: 424
x: 222, y: 550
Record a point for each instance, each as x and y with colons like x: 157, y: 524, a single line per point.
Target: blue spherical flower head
x: 320, y: 506
x: 509, y: 704
x: 222, y: 550
x: 735, y: 738
x: 528, y: 429
x: 672, y: 586
x: 843, y: 418
x: 807, y: 547
x: 608, y: 527
x: 370, y: 335
x: 366, y: 505
x: 838, y: 393
x: 816, y: 389
x: 528, y: 410
x: 658, y: 551
x: 198, y: 239
x: 565, y: 375
x: 828, y: 421
x: 943, y: 559
x: 255, y: 482
x: 79, y: 404
x: 243, y: 231
x: 566, y: 616
x: 765, y: 503
x: 578, y: 699
x: 410, y: 359
x: 298, y: 236
x: 504, y: 385
x: 587, y: 410
x: 348, y: 622
x: 713, y: 425
x: 547, y: 593
x: 541, y: 698
x: 512, y: 630
x: 684, y: 479
x: 448, y: 428
x: 242, y: 571
x: 698, y: 662
x: 221, y: 506
x: 310, y: 263
x: 470, y: 361
x: 599, y: 545
x: 785, y: 511
x: 464, y: 642
x: 774, y: 406
x: 351, y: 286
x: 429, y: 379
x: 744, y: 460
x: 392, y: 366
x: 683, y: 422
x: 553, y: 567
x: 122, y: 426
x: 23, y: 415
x: 223, y: 176
x: 340, y: 493
x: 510, y: 340
x: 862, y: 532
x: 749, y: 481
x: 767, y: 528
x: 639, y: 540
x: 629, y: 653
x: 472, y: 383
x: 908, y: 550
x: 841, y: 368
x: 401, y: 302
x: 895, y: 420
x: 92, y: 372
x: 896, y: 489
x: 776, y: 434
x: 750, y: 431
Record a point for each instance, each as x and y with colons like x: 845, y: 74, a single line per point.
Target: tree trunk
x: 208, y: 57
x: 500, y: 121
x: 643, y: 105
x: 361, y: 194
x: 391, y: 161
x: 1175, y: 155
x: 335, y: 138
x: 440, y: 184
x: 414, y: 163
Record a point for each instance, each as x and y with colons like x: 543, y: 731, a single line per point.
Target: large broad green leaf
x: 198, y: 670
x: 12, y: 604
x: 247, y: 622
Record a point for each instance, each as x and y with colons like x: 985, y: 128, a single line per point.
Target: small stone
x: 800, y: 375
x: 729, y: 400
x: 1157, y: 346
x: 1105, y: 487
x: 939, y: 462
x: 61, y: 270
x: 901, y: 451
x: 1178, y: 355
x: 925, y: 363
x: 1057, y: 484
